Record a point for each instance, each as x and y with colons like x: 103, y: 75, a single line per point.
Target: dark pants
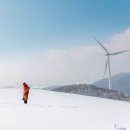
x: 25, y: 98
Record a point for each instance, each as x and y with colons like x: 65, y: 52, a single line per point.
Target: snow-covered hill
x: 91, y: 90
x: 120, y: 82
x: 48, y: 110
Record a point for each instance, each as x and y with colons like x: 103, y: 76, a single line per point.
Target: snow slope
x: 48, y: 110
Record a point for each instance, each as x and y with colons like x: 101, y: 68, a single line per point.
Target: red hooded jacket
x: 25, y: 89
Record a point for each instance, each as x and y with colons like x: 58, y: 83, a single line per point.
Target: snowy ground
x: 48, y: 110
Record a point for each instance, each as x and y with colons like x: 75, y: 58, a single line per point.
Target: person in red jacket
x: 25, y: 92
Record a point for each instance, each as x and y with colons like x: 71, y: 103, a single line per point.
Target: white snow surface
x: 48, y: 110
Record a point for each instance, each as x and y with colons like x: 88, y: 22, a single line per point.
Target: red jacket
x: 25, y: 89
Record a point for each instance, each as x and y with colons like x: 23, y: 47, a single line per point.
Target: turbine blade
x: 119, y: 52
x: 105, y: 68
x: 101, y: 45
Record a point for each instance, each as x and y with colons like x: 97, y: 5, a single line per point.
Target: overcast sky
x: 49, y: 42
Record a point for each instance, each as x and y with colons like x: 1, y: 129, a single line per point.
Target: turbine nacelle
x: 107, y: 54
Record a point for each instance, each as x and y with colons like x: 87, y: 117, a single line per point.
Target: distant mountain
x: 50, y: 88
x: 91, y: 90
x: 120, y: 82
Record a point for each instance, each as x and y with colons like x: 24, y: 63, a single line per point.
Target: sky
x: 49, y: 42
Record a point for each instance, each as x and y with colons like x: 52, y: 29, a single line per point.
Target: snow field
x: 47, y: 110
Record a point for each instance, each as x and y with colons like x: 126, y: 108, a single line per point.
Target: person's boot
x: 25, y: 102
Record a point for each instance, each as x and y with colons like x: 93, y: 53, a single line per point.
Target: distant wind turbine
x: 108, y: 60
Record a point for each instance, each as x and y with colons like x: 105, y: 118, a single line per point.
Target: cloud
x: 66, y: 66
x: 122, y: 39
x: 82, y: 64
x: 119, y: 42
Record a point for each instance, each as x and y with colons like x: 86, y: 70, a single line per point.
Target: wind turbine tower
x: 108, y: 60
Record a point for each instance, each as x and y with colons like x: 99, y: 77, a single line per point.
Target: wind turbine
x: 108, y: 60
